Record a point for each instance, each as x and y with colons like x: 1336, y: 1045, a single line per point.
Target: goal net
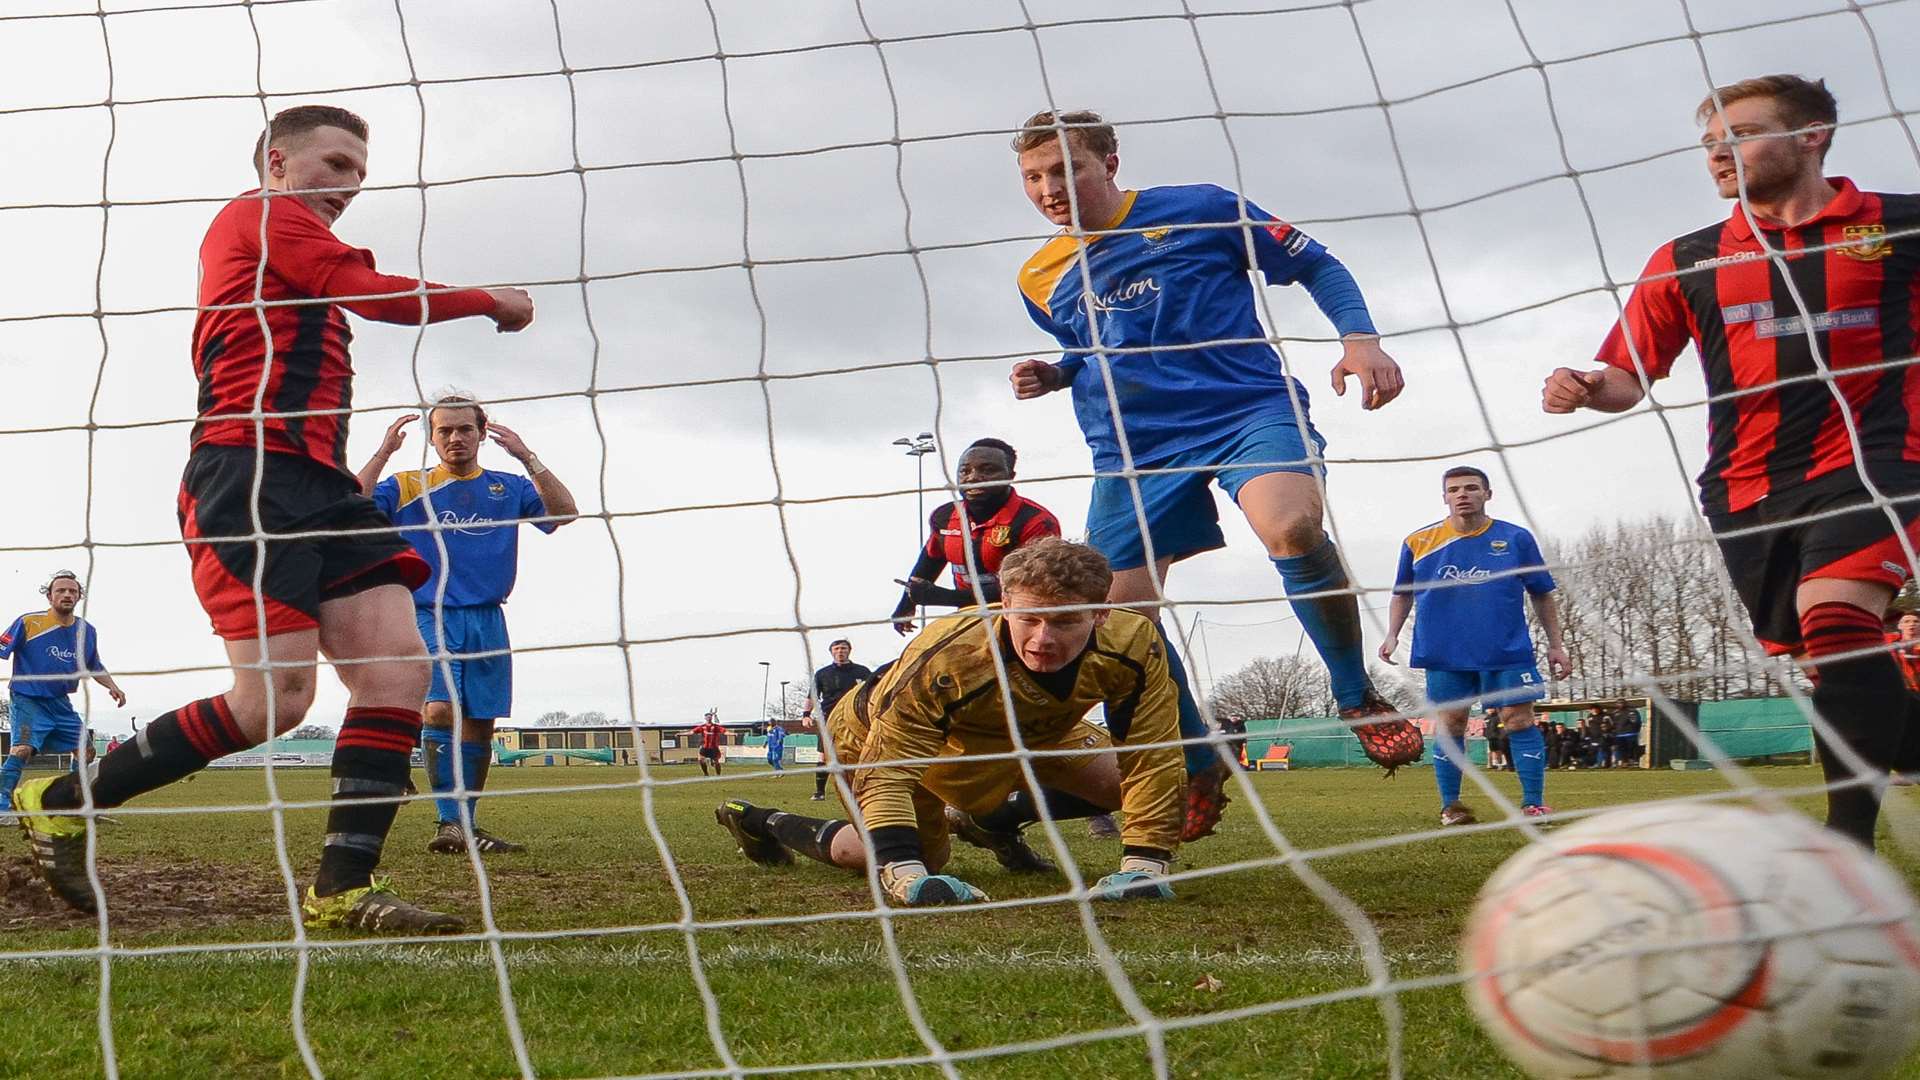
x: 773, y: 251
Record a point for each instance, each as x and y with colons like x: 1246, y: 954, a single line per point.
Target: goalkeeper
x: 943, y: 700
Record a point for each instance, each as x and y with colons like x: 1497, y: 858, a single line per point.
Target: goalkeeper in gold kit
x: 926, y: 731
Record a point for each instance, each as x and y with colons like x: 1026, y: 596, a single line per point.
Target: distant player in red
x: 997, y: 522
x: 712, y: 736
x: 1906, y: 638
x: 1785, y: 489
x: 270, y: 353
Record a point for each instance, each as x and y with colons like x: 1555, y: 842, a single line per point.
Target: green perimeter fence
x: 1745, y: 729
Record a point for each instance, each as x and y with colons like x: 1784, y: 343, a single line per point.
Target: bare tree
x: 556, y: 718
x: 311, y: 731
x: 1274, y: 687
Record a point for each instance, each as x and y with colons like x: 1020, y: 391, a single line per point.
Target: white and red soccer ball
x: 1696, y: 941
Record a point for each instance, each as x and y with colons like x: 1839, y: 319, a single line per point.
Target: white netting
x: 766, y: 241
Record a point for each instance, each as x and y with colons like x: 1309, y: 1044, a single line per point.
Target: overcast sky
x: 694, y: 291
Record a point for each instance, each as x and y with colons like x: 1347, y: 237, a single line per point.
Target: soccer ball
x: 1698, y: 941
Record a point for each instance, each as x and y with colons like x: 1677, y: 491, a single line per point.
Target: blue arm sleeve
x: 1069, y: 363
x: 1536, y: 578
x: 11, y: 639
x: 1337, y: 295
x: 1403, y: 576
x: 386, y: 495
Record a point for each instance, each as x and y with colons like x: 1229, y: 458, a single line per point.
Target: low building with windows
x: 612, y: 744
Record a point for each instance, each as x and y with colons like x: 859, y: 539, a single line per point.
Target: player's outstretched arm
x: 1152, y: 790
x: 369, y: 474
x: 1609, y: 389
x: 113, y: 689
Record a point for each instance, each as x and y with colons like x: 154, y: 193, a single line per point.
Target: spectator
x: 1556, y: 742
x: 1626, y: 738
x: 1496, y: 741
x: 1235, y: 729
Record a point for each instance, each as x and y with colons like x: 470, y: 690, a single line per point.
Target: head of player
x: 985, y: 477
x: 1053, y: 574
x: 457, y: 424
x: 1769, y: 137
x: 1909, y: 626
x: 842, y: 652
x: 1466, y: 491
x: 318, y: 153
x: 63, y: 593
x: 1068, y: 164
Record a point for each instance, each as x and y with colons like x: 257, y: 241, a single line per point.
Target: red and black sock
x: 174, y: 746
x: 1863, y: 699
x: 371, y: 760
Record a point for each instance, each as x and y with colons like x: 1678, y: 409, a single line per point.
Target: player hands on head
x: 943, y: 701
x: 276, y: 283
x: 1791, y: 483
x: 479, y: 512
x: 1202, y: 397
x: 987, y: 523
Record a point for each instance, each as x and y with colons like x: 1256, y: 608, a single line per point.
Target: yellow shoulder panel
x: 1042, y: 273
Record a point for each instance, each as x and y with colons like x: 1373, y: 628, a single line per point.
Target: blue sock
x: 474, y: 759
x: 1200, y: 756
x: 1527, y: 749
x: 1333, y: 622
x: 10, y: 779
x: 1446, y: 767
x: 436, y: 747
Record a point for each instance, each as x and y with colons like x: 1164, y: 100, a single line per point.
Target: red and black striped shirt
x: 309, y: 383
x: 1771, y: 423
x: 1019, y: 522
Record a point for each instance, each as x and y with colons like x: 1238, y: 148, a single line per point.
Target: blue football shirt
x: 40, y: 646
x: 1470, y: 590
x: 479, y: 522
x: 1178, y: 291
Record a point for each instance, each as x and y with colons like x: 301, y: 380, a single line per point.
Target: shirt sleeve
x: 1069, y: 363
x: 904, y: 726
x: 1043, y: 524
x: 386, y: 495
x: 94, y: 664
x: 304, y: 253
x: 1280, y: 252
x: 1152, y: 781
x: 1655, y: 324
x: 533, y: 506
x: 11, y: 639
x: 1534, y: 574
x: 1403, y: 577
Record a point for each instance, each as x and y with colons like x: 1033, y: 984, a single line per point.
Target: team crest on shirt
x: 1868, y: 243
x: 1497, y: 547
x: 1000, y: 535
x: 1161, y: 239
x: 497, y: 489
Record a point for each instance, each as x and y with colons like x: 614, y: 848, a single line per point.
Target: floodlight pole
x: 918, y: 447
x: 766, y: 674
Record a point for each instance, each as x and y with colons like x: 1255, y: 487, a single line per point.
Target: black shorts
x: 1775, y: 551
x: 711, y: 753
x: 296, y: 496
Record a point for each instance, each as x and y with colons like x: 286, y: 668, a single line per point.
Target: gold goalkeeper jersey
x: 943, y: 699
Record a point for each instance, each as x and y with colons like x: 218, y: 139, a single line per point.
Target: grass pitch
x: 598, y: 953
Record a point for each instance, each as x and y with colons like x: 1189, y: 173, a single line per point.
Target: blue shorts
x: 1492, y: 689
x: 48, y: 724
x: 1180, y: 512
x: 482, y: 684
